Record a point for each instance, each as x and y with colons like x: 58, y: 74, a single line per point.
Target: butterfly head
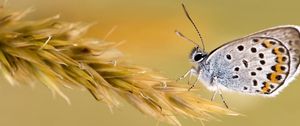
x: 197, y: 55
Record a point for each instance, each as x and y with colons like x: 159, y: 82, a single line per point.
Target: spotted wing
x: 261, y: 63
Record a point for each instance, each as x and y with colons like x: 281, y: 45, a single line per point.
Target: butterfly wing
x: 262, y: 63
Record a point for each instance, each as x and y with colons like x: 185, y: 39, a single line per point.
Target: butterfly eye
x: 198, y: 57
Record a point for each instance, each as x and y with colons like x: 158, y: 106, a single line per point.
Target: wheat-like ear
x: 55, y: 54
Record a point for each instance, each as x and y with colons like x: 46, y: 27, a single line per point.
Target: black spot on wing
x: 261, y: 55
x: 253, y: 73
x: 255, y: 40
x: 228, y: 57
x: 254, y: 82
x: 278, y: 77
x: 240, y: 48
x: 236, y: 69
x: 262, y: 62
x: 245, y: 62
x: 253, y: 50
x: 259, y: 68
x: 235, y: 77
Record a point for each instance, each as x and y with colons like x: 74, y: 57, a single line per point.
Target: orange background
x: 148, y: 28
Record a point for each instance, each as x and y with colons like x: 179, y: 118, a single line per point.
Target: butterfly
x: 262, y: 63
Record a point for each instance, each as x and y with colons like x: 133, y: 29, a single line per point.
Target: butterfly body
x: 262, y: 63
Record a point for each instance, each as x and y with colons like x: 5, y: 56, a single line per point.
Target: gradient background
x: 148, y: 27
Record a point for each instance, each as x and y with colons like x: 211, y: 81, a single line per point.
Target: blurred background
x: 148, y: 29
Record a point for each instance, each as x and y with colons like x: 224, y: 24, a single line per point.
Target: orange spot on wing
x: 267, y: 44
x: 273, y: 78
x: 266, y: 87
x: 278, y: 68
x: 280, y: 58
x: 276, y: 50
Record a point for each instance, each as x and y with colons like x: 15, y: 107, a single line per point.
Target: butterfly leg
x: 193, y: 85
x: 218, y: 90
x: 190, y: 77
x: 214, y: 95
x: 185, y: 75
x: 220, y: 93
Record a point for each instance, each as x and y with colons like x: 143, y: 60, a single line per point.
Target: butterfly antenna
x: 189, y: 17
x: 186, y: 38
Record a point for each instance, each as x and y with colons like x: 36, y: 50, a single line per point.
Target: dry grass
x: 55, y: 54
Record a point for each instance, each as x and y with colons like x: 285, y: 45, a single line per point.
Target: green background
x: 148, y: 28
